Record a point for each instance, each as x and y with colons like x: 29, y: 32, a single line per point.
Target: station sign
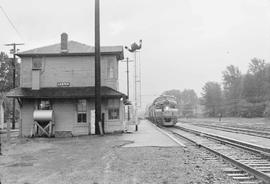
x: 63, y: 84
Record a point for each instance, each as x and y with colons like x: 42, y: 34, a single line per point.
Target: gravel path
x: 100, y: 160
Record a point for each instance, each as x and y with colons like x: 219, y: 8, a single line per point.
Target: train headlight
x: 166, y: 108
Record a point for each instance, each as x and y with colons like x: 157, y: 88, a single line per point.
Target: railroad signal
x: 134, y: 48
x: 128, y: 103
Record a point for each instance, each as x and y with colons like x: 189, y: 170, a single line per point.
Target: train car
x: 163, y: 111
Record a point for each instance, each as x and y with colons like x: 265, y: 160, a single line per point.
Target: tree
x: 6, y: 73
x: 189, y: 96
x: 250, y: 110
x: 189, y: 102
x: 267, y: 81
x: 232, y: 82
x: 256, y: 88
x: 256, y: 66
x: 6, y: 82
x: 212, y: 98
x: 230, y: 75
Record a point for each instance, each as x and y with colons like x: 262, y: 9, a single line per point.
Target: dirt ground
x: 96, y: 159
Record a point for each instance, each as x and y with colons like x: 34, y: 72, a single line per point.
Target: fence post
x: 8, y: 129
x: 100, y: 128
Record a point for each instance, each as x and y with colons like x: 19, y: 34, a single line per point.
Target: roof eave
x: 63, y: 97
x: 120, y: 55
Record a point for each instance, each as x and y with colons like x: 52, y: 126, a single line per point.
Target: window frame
x: 81, y: 114
x: 110, y: 70
x: 113, y: 105
x: 117, y: 110
x: 37, y: 63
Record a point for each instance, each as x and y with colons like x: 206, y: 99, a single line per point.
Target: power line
x: 9, y: 20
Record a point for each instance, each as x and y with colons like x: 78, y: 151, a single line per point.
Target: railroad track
x: 250, y: 165
x: 264, y: 134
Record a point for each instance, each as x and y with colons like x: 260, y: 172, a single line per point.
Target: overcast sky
x: 185, y: 42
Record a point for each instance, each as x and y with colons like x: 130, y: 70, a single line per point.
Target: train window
x: 81, y: 111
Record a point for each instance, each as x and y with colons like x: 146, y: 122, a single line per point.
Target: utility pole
x: 98, y: 127
x: 127, y: 61
x: 135, y: 92
x: 13, y: 51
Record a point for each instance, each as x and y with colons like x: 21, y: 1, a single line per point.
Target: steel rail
x: 244, y: 167
x: 263, y: 134
x: 252, y: 147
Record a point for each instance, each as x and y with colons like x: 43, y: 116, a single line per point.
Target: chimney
x: 64, y: 42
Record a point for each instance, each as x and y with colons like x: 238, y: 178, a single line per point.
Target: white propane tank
x: 43, y: 115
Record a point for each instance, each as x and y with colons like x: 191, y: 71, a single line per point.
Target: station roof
x: 74, y: 49
x: 64, y: 92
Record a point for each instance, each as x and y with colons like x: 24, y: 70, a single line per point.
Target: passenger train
x: 163, y: 111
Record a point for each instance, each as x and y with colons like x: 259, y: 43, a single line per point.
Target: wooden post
x: 20, y: 126
x: 97, y: 70
x: 100, y: 128
x: 8, y: 129
x: 103, y: 122
x: 50, y: 129
x: 0, y: 147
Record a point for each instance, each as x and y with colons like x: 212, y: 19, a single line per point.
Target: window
x: 36, y: 63
x: 81, y: 110
x: 113, y: 109
x: 110, y: 71
x: 44, y: 105
x: 113, y: 113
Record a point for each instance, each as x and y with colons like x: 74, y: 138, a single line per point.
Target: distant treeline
x: 240, y: 95
x: 6, y: 84
x: 187, y: 101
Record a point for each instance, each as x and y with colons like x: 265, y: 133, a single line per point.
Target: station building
x: 61, y: 78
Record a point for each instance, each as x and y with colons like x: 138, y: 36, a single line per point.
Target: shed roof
x: 64, y: 92
x: 74, y: 48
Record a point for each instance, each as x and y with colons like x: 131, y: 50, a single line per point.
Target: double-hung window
x: 110, y: 70
x: 113, y: 109
x: 81, y: 111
